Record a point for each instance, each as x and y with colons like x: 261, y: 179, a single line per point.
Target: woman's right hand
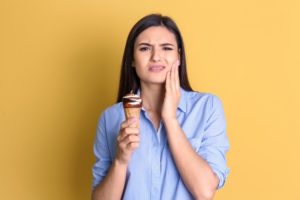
x: 128, y: 140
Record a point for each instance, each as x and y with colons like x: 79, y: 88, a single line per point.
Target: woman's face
x: 155, y: 51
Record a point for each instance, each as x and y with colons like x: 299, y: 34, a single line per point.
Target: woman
x: 179, y: 150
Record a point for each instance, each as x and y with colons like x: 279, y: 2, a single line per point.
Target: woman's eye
x: 144, y: 48
x: 167, y: 48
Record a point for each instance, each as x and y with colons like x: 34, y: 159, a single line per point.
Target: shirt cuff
x: 221, y: 175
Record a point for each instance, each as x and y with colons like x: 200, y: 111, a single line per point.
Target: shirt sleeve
x: 215, y: 144
x: 101, y: 151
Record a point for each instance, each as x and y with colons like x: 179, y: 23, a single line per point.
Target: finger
x: 177, y: 81
x: 122, y: 145
x: 168, y: 81
x: 133, y: 145
x: 173, y: 76
x: 132, y: 142
x: 126, y: 132
x: 128, y: 122
x: 132, y: 138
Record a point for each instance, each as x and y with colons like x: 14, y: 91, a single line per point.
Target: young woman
x: 179, y: 150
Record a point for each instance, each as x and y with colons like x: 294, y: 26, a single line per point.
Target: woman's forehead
x: 156, y: 34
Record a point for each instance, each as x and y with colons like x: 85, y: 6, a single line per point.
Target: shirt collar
x: 182, y: 102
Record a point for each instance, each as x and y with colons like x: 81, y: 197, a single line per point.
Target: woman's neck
x: 153, y: 97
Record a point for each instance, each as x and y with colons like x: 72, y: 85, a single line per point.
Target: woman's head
x: 155, y: 38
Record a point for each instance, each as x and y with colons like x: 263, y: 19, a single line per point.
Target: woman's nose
x: 156, y: 55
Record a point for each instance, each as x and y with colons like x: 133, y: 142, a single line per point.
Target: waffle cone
x: 133, y: 112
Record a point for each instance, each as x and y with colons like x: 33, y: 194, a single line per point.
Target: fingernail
x: 133, y: 119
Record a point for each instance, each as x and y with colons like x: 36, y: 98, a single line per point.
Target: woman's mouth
x: 156, y: 68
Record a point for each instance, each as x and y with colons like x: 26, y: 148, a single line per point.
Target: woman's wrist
x: 170, y: 121
x: 120, y: 164
x: 168, y: 116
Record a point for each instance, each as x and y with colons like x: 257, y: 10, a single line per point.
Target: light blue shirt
x: 152, y: 173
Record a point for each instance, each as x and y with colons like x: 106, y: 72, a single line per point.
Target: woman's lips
x: 156, y: 68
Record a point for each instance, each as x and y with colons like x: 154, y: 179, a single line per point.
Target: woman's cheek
x: 172, y: 58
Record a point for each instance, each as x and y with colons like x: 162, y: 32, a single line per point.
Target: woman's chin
x: 154, y: 82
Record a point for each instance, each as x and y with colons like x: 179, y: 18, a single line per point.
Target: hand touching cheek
x: 172, y: 95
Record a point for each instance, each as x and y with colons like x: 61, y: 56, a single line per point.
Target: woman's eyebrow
x: 144, y: 44
x: 163, y: 44
x: 167, y: 44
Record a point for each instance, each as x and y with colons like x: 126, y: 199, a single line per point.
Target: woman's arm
x: 112, y: 186
x: 195, y: 172
x: 197, y: 175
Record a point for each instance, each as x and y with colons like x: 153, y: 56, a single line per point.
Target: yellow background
x: 59, y: 68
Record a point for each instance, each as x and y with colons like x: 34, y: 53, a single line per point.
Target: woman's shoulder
x: 206, y: 99
x: 198, y: 95
x: 114, y: 109
x: 111, y: 116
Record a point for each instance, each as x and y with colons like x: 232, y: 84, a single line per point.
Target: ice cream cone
x: 132, y: 104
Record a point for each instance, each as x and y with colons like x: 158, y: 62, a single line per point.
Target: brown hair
x: 128, y: 77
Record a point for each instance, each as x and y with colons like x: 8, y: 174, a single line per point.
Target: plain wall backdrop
x: 59, y: 69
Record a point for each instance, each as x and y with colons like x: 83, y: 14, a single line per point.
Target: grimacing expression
x: 155, y: 51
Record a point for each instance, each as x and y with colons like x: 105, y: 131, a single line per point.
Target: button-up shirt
x: 152, y: 173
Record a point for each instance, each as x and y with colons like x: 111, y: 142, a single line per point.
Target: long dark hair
x: 128, y: 77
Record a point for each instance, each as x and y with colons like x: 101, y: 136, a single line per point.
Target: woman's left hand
x: 172, y: 95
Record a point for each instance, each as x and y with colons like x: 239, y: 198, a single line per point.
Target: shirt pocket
x: 196, y: 143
